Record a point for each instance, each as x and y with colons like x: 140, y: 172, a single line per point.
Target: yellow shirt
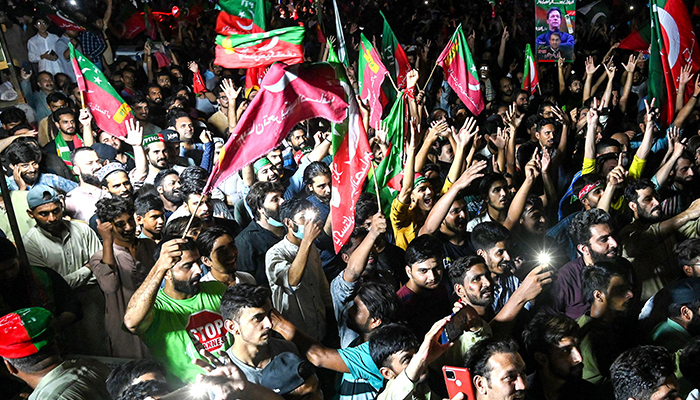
x: 635, y: 172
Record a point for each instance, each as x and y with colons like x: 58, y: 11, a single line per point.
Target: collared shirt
x: 241, y: 277
x: 485, y: 217
x: 80, y: 203
x: 506, y: 284
x: 304, y: 304
x: 55, y: 181
x: 74, y: 379
x: 93, y: 45
x: 341, y: 292
x: 67, y: 254
x: 37, y: 46
x: 671, y: 335
x: 118, y: 285
x: 37, y: 100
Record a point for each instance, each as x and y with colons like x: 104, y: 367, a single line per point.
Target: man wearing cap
x: 683, y: 322
x: 28, y: 348
x: 156, y: 153
x: 175, y: 320
x: 115, y: 180
x: 66, y: 247
x: 80, y: 203
x: 172, y: 142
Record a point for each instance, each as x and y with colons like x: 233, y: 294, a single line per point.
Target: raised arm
x: 296, y: 271
x: 648, y: 139
x: 436, y: 130
x: 532, y: 171
x: 409, y: 171
x: 629, y: 70
x: 358, y: 260
x: 610, y: 70
x: 616, y: 177
x: 147, y: 51
x: 442, y: 207
x: 502, y: 49
x: 678, y: 147
x: 134, y: 138
x: 591, y: 68
x: 686, y: 76
x: 513, y: 119
x: 461, y: 140
x: 139, y: 312
x: 232, y: 96
x: 592, y: 120
x: 85, y: 119
x: 689, y: 106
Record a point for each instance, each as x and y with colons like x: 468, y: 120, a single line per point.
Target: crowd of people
x: 548, y: 248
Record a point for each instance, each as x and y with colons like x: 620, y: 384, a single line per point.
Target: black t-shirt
x: 252, y: 243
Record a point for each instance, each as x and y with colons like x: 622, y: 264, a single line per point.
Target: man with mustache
x: 605, y: 329
x: 120, y: 267
x: 156, y: 157
x: 167, y: 184
x: 219, y: 254
x: 592, y: 232
x: 25, y: 158
x: 171, y: 320
x: 80, y: 203
x: 115, y: 180
x: 553, y: 343
x: 66, y: 247
x: 648, y: 241
x: 498, y: 370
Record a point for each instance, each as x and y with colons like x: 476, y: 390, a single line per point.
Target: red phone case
x: 458, y: 380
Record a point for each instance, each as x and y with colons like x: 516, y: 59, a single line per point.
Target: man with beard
x: 202, y: 206
x: 157, y: 158
x: 423, y: 298
x: 648, y: 241
x: 497, y: 369
x: 22, y: 286
x: 297, y: 141
x: 605, y: 329
x: 141, y: 110
x: 553, y: 343
x: 66, y: 247
x: 300, y: 290
x: 264, y: 200
x: 120, y: 267
x: 683, y: 316
x: 167, y: 184
x: 592, y: 233
x: 37, y: 99
x: 675, y: 180
x: 448, y: 219
x: 219, y: 254
x: 25, y: 158
x: 317, y: 178
x: 506, y: 92
x: 154, y: 96
x: 80, y: 203
x: 115, y: 180
x: 68, y: 139
x: 522, y: 101
x: 171, y: 320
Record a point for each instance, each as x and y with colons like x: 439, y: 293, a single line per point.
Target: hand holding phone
x: 458, y: 380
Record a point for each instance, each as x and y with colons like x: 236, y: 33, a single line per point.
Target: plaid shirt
x: 93, y: 45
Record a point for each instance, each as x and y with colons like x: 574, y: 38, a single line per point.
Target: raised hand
x: 25, y: 75
x: 649, y: 107
x: 85, y: 117
x: 412, y: 78
x: 505, y: 36
x: 686, y: 75
x: 229, y: 90
x: 147, y: 49
x: 696, y: 90
x: 610, y: 69
x: 631, y: 64
x: 467, y: 132
x: 377, y: 225
x: 134, y: 133
x: 533, y: 167
x: 618, y: 174
x: 546, y: 160
x: 594, y: 112
x: 192, y: 66
x: 382, y: 131
x: 501, y: 139
x: 560, y: 62
x: 513, y: 66
x: 105, y: 231
x: 439, y: 128
x: 591, y: 68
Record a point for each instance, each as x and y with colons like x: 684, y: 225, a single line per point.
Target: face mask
x: 299, y: 232
x: 274, y: 222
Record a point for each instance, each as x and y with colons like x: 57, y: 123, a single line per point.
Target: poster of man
x: 555, y: 31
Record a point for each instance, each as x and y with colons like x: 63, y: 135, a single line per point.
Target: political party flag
x: 241, y: 17
x: 530, y: 78
x: 288, y: 95
x: 57, y: 17
x: 342, y: 49
x: 351, y: 160
x: 389, y: 171
x: 372, y: 73
x: 394, y: 56
x: 673, y: 45
x: 258, y: 49
x: 456, y: 60
x: 638, y: 40
x: 108, y: 109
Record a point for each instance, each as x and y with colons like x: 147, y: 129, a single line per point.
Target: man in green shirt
x: 683, y: 314
x: 175, y: 320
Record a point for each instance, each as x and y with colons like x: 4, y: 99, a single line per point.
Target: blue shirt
x: 363, y: 371
x: 55, y: 181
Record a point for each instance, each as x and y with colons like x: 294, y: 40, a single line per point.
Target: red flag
x: 260, y: 49
x: 638, y: 40
x: 372, y: 73
x: 289, y: 95
x: 456, y: 60
x: 227, y: 24
x: 108, y: 108
x: 255, y: 75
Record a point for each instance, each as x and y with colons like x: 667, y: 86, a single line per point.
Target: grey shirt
x: 254, y: 374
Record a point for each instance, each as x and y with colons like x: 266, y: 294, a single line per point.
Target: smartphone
x: 454, y: 328
x: 458, y: 380
x: 27, y: 67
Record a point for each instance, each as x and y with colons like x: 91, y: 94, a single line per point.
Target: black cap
x: 286, y: 372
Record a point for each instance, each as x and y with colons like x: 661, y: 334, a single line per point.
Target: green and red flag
x: 352, y: 158
x: 530, y: 78
x: 342, y: 49
x: 638, y: 40
x: 389, y: 172
x: 372, y: 73
x: 108, y: 109
x: 394, y: 56
x: 242, y: 16
x: 259, y: 49
x: 456, y: 60
x: 57, y: 17
x: 673, y: 46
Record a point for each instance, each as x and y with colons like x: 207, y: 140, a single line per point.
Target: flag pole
x: 430, y: 76
x: 199, y: 202
x: 393, y: 83
x: 376, y: 186
x: 82, y: 98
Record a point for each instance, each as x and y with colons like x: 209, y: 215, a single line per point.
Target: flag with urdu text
x: 108, y: 109
x: 673, y: 45
x: 372, y: 73
x: 389, y: 171
x: 456, y: 60
x: 394, y: 56
x: 259, y: 49
x: 530, y: 78
x: 351, y: 161
x: 342, y: 49
x: 288, y: 95
x: 241, y: 17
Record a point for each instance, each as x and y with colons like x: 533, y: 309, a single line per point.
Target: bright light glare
x: 310, y: 215
x: 543, y: 258
x: 199, y: 390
